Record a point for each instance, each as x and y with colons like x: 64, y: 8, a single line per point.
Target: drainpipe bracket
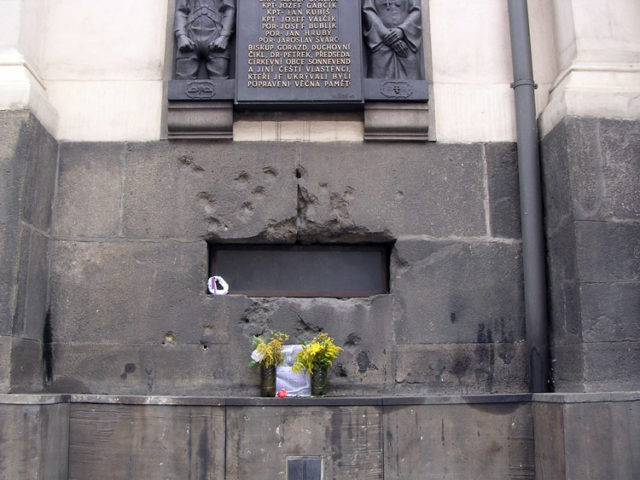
x: 519, y: 83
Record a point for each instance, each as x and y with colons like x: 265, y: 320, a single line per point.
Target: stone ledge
x: 48, y: 399
x: 592, y: 397
x: 328, y: 401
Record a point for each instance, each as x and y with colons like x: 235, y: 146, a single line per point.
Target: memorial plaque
x: 304, y: 52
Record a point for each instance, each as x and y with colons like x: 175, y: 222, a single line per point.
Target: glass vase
x: 267, y: 381
x: 319, y: 382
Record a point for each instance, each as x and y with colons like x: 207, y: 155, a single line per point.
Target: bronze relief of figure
x: 393, y: 36
x: 203, y: 29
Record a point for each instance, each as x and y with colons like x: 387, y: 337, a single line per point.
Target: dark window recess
x: 302, y: 270
x: 304, y: 468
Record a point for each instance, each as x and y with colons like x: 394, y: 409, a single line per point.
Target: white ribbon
x: 214, y: 289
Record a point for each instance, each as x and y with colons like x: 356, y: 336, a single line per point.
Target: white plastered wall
x: 598, y: 61
x: 103, y: 67
x: 22, y: 86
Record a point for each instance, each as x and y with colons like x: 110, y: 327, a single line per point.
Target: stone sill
x: 327, y: 401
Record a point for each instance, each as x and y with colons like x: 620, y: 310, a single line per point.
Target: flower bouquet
x: 268, y: 355
x: 315, y: 358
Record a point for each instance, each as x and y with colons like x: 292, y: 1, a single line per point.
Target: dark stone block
x: 9, y: 261
x: 391, y: 189
x: 601, y: 159
x: 585, y: 168
x: 601, y: 440
x: 134, y: 292
x: 89, y: 190
x: 26, y: 366
x: 462, y: 368
x: 610, y: 311
x: 567, y: 367
x: 458, y: 292
x: 612, y: 366
x: 459, y: 441
x: 124, y: 441
x: 608, y: 252
x: 31, y: 304
x: 42, y: 160
x: 349, y: 439
x: 14, y: 131
x: 556, y: 188
x: 361, y: 325
x: 563, y: 284
x: 124, y: 369
x: 37, y: 286
x: 620, y: 147
x: 5, y: 364
x: 21, y: 281
x: 504, y: 196
x: 196, y: 190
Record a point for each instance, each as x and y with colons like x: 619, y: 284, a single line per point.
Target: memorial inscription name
x: 299, y: 51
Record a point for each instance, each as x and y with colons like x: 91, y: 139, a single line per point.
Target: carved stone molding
x: 200, y: 120
x: 396, y: 121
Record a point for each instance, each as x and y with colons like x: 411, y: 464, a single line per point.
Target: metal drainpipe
x: 533, y: 249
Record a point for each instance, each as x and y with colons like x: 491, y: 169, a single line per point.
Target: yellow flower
x: 271, y: 351
x: 317, y: 354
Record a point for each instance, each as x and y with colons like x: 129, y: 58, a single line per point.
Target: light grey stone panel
x: 89, y: 190
x: 438, y: 442
x: 19, y: 441
x: 347, y: 439
x: 458, y: 292
x: 33, y: 441
x: 611, y: 311
x: 54, y: 451
x: 549, y: 441
x: 395, y: 189
x: 133, y: 292
x: 601, y: 440
x: 504, y: 193
x: 122, y: 442
x: 608, y: 252
x: 200, y: 189
x: 462, y: 368
x: 393, y: 121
